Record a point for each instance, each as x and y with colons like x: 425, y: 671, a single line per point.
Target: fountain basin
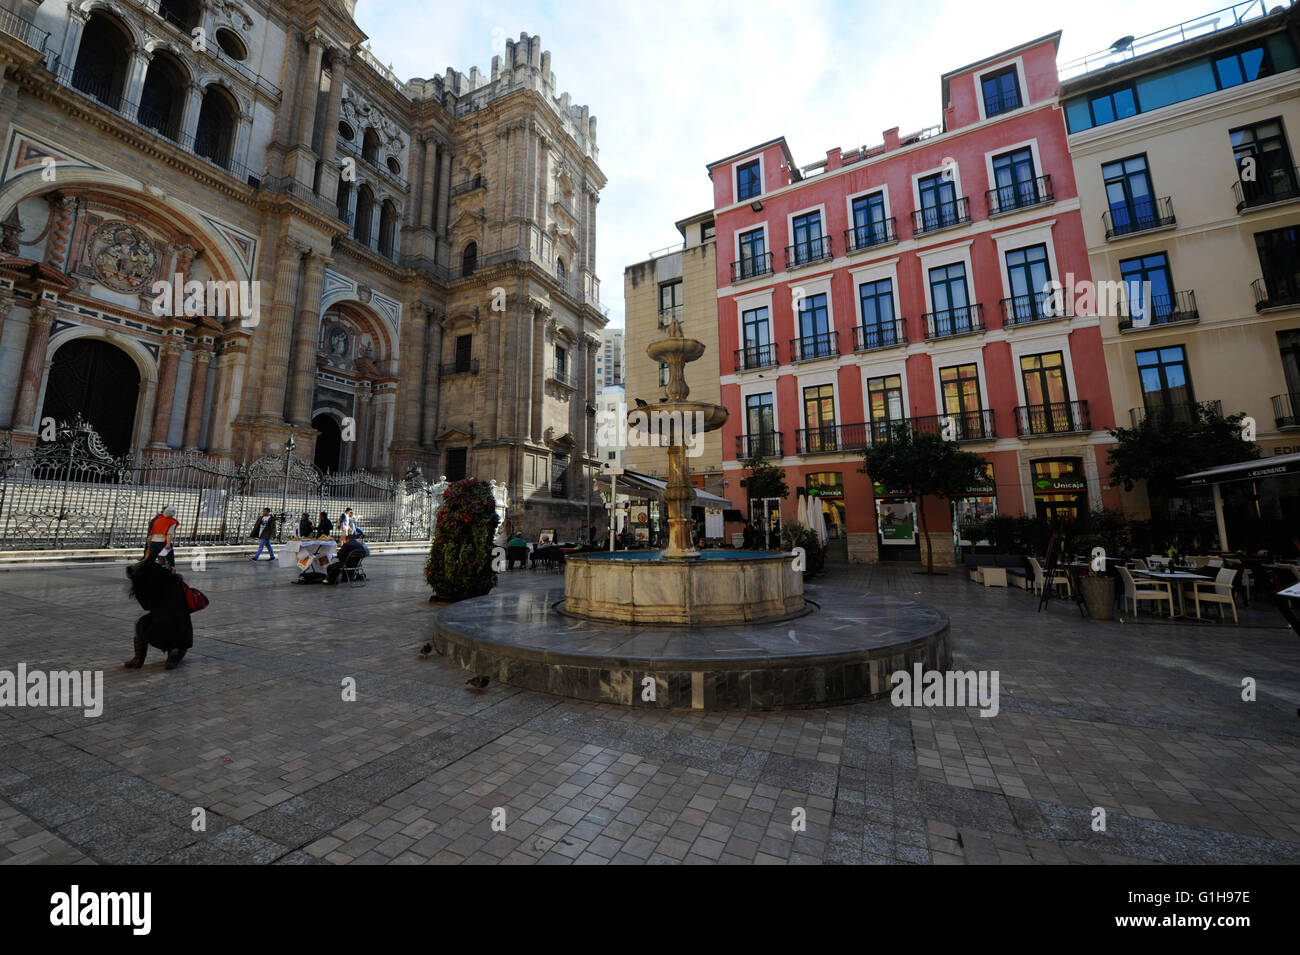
x: 717, y: 588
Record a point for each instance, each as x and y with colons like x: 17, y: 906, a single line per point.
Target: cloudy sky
x: 675, y: 85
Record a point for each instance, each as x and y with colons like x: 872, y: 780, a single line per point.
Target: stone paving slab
x: 1143, y: 719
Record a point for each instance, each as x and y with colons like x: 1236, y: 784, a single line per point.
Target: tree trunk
x: 929, y: 544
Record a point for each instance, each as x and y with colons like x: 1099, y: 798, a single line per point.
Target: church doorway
x: 100, y: 382
x: 329, y: 442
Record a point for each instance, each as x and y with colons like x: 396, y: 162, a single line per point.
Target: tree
x: 765, y: 480
x: 1164, y: 446
x: 460, y: 558
x: 928, y: 466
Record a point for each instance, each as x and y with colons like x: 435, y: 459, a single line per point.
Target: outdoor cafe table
x: 1176, y: 576
x: 304, y: 553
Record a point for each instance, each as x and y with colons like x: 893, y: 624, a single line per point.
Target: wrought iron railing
x: 469, y: 367
x: 945, y: 215
x: 1165, y: 310
x: 869, y: 235
x: 832, y: 438
x: 809, y: 252
x: 1038, y: 307
x: 756, y: 356
x: 875, y: 337
x: 1182, y: 412
x: 959, y: 425
x: 1140, y: 216
x: 1277, y: 290
x: 1020, y: 195
x: 951, y: 322
x: 1278, y: 185
x: 1057, y: 417
x: 813, y: 347
x: 751, y: 267
x: 765, y: 444
x: 1286, y: 410
x: 469, y: 185
x: 23, y: 30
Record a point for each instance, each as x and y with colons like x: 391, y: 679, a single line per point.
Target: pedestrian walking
x: 160, y: 537
x: 263, y: 530
x: 166, y: 623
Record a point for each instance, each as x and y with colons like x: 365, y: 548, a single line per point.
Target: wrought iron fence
x: 71, y: 492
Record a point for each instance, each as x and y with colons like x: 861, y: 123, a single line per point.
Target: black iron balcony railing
x: 560, y: 487
x: 1275, y: 185
x: 751, y: 267
x: 561, y: 375
x: 951, y: 322
x: 945, y: 215
x: 1165, y: 310
x: 807, y: 253
x: 875, y: 337
x: 21, y: 29
x: 1180, y: 412
x: 765, y: 444
x: 756, y: 356
x: 813, y: 347
x: 884, y: 429
x: 1140, y: 216
x: 469, y: 185
x: 1286, y: 410
x: 832, y: 438
x: 1280, y: 290
x: 1038, y: 307
x: 469, y: 367
x: 1057, y: 417
x: 958, y: 426
x: 870, y: 235
x: 666, y: 315
x: 1020, y: 195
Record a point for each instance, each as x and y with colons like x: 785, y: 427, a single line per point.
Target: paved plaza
x: 1142, y: 719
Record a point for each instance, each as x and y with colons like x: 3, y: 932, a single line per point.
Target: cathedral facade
x: 226, y: 224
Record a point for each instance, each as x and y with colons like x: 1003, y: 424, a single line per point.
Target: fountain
x: 679, y: 584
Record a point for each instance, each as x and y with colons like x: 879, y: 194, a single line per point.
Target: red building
x: 903, y: 284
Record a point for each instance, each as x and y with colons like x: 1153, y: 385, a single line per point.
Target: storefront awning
x: 630, y: 482
x: 1245, y: 471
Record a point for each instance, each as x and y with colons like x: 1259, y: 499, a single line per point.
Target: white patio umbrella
x: 817, y: 519
x: 801, y: 512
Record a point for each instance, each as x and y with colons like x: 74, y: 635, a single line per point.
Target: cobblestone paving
x: 1142, y: 719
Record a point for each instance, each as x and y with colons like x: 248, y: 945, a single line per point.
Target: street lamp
x: 586, y: 466
x: 289, y: 446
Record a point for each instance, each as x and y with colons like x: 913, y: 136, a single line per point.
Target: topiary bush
x: 460, y: 558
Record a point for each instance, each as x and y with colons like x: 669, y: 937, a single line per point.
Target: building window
x: 815, y: 339
x: 707, y: 231
x: 753, y: 253
x: 1262, y: 155
x: 670, y: 303
x: 1288, y: 346
x: 879, y: 328
x: 469, y: 260
x: 387, y: 228
x: 464, y: 349
x: 869, y: 225
x: 948, y: 296
x: 560, y: 272
x: 885, y: 404
x: 663, y: 374
x: 760, y: 425
x: 961, y: 399
x: 214, y: 138
x: 1015, y: 184
x: 560, y: 475
x: 182, y: 13
x: 370, y: 146
x: 748, y: 182
x: 756, y: 336
x: 561, y: 363
x: 1001, y: 91
x: 1047, y: 393
x: 938, y: 195
x: 365, y: 212
x: 809, y: 245
x: 163, y: 95
x: 1166, y: 381
x: 1148, y: 274
x: 1279, y: 260
x: 456, y: 464
x: 1027, y: 275
x: 819, y: 418
x: 1129, y: 195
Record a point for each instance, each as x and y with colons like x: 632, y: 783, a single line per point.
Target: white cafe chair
x: 1216, y: 591
x: 1154, y: 590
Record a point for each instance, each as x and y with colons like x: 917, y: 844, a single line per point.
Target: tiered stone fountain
x: 679, y: 584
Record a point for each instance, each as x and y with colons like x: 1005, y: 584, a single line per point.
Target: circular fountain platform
x: 843, y: 652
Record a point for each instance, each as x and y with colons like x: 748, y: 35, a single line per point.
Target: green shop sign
x: 1051, y: 485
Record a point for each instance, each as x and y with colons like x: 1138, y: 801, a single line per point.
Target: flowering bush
x: 460, y: 558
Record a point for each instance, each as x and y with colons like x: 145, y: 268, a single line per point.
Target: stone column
x: 444, y: 189
x: 329, y: 177
x: 198, y: 392
x: 224, y: 368
x: 134, y: 86
x: 428, y: 197
x: 412, y: 358
x: 190, y: 113
x: 33, y: 366
x: 432, y: 377
x: 168, y: 363
x: 303, y: 377
x: 360, y: 458
x: 6, y: 303
x: 280, y: 329
x: 310, y: 90
x: 72, y: 38
x: 62, y: 211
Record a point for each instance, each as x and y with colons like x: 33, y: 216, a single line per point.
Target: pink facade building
x: 903, y: 284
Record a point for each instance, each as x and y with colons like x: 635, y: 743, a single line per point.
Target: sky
x: 675, y: 85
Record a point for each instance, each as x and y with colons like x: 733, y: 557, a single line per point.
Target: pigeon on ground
x: 425, y: 651
x: 478, y: 684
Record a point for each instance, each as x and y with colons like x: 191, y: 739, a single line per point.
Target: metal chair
x: 351, y: 570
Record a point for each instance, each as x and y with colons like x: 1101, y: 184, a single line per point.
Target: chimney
x: 891, y: 139
x: 833, y: 159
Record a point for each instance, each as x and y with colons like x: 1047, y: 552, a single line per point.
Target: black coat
x: 323, y: 529
x: 258, y: 531
x: 304, y: 528
x: 167, y: 624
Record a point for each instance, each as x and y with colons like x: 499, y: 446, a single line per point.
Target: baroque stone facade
x: 395, y: 274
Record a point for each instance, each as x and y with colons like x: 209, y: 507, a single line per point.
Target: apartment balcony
x: 808, y: 253
x: 832, y: 439
x: 958, y: 426
x: 1145, y: 216
x: 946, y: 215
x: 1057, y: 417
x: 1036, y: 308
x: 753, y: 267
x: 460, y: 368
x: 668, y: 315
x: 954, y: 322
x: 1165, y: 310
x: 765, y: 444
x: 1278, y: 186
x: 1276, y: 291
x: 22, y: 30
x: 815, y: 347
x: 1286, y: 410
x: 873, y: 235
x: 880, y: 337
x: 1186, y: 412
x: 752, y: 357
x: 1020, y: 195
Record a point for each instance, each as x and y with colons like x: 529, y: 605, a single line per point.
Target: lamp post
x: 586, y: 466
x: 289, y: 446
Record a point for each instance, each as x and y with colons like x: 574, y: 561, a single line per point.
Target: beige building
x: 682, y: 284
x: 609, y: 359
x: 1185, y: 158
x: 423, y: 250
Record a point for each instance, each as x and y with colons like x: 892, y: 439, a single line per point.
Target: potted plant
x: 1097, y: 586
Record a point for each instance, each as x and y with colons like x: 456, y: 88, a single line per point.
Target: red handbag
x: 194, y: 599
